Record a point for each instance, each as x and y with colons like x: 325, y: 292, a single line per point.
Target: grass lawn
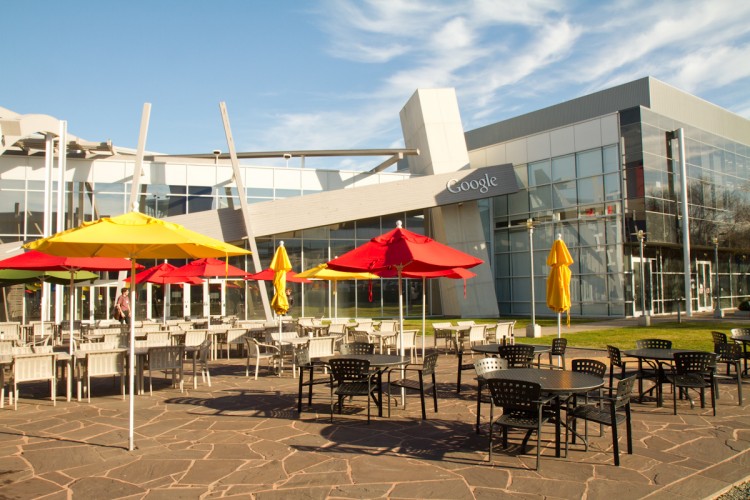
x: 686, y: 335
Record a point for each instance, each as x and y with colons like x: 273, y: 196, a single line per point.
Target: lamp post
x: 532, y: 330
x: 718, y: 313
x: 645, y: 318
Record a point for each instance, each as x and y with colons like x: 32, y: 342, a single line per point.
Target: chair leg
x: 615, y: 439
x: 421, y: 395
x: 434, y: 392
x: 629, y: 429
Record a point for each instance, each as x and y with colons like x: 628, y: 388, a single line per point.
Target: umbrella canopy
x: 269, y: 274
x: 280, y: 265
x: 207, y: 267
x: 558, y: 281
x: 16, y: 276
x: 135, y: 236
x: 402, y: 251
x: 159, y: 275
x: 323, y: 272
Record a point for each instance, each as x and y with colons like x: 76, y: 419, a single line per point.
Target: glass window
x: 260, y: 192
x: 590, y: 190
x: 593, y: 260
x: 11, y: 213
x: 518, y: 203
x: 539, y: 173
x: 540, y: 198
x: 343, y: 230
x: 564, y: 194
x: 500, y: 206
x: 502, y: 262
x: 106, y: 205
x: 592, y: 233
x: 589, y: 163
x: 369, y: 228
x: 522, y: 176
x: 177, y: 205
x: 199, y: 203
x: 287, y: 193
x: 611, y: 162
x: 110, y: 187
x: 612, y: 187
x: 502, y: 243
x: 593, y: 288
x: 563, y: 168
x: 200, y: 190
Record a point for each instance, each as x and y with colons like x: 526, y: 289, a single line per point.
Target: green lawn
x: 686, y: 335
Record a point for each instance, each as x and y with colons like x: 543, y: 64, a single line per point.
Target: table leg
x: 380, y: 393
x: 479, y: 404
x: 195, y: 380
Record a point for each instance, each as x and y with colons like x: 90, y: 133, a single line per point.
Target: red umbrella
x: 268, y: 274
x: 404, y: 252
x: 207, y: 267
x: 34, y: 259
x: 159, y: 275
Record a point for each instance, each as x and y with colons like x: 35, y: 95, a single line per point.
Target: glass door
x: 646, y: 288
x: 703, y: 297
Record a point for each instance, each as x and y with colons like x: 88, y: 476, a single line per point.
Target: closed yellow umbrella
x: 323, y: 272
x: 135, y: 236
x: 558, y: 281
x: 280, y: 266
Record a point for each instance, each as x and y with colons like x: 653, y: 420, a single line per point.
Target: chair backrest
x: 93, y: 346
x: 114, y: 340
x: 728, y: 353
x: 22, y: 350
x: 614, y: 355
x: 409, y: 337
x: 389, y: 325
x: 621, y: 396
x: 348, y: 369
x: 357, y: 348
x: 517, y: 355
x: 157, y: 339
x: 653, y: 344
x: 10, y: 331
x: 504, y: 331
x: 514, y: 395
x: 302, y: 356
x: 236, y: 335
x: 558, y: 346
x: 204, y: 352
x: 590, y: 366
x: 693, y: 362
x: 31, y: 367
x: 337, y: 328
x: 41, y: 349
x: 486, y: 365
x: 194, y: 338
x: 166, y: 357
x: 739, y: 331
x: 429, y: 363
x: 6, y: 346
x: 476, y: 333
x: 445, y: 324
x: 321, y: 346
x: 105, y: 363
x: 719, y: 337
x: 465, y: 323
x: 359, y: 336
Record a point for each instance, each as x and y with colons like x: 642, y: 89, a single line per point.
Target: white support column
x: 685, y: 222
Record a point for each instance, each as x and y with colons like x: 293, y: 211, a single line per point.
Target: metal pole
x: 718, y: 313
x: 685, y: 222
x: 532, y: 330
x: 645, y: 318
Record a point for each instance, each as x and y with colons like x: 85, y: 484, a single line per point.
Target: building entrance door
x: 702, y: 286
x: 648, y: 286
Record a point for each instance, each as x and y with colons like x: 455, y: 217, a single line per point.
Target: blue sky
x: 334, y: 74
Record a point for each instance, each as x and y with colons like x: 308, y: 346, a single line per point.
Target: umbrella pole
x: 131, y: 360
x: 335, y: 300
x: 424, y: 313
x: 71, y: 297
x: 401, y: 329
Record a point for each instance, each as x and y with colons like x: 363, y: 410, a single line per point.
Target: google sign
x: 482, y: 184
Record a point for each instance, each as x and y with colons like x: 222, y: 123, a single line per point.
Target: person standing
x: 123, y: 306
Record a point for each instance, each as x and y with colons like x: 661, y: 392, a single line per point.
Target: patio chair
x: 440, y: 332
x: 426, y: 369
x: 349, y: 378
x: 33, y: 368
x: 260, y: 351
x: 719, y: 337
x: 559, y: 345
x: 731, y: 356
x: 410, y: 344
x: 616, y: 361
x: 504, y: 332
x: 101, y: 364
x: 693, y: 370
x: 653, y: 344
x: 157, y: 339
x: 523, y: 407
x: 204, y: 355
x: 311, y: 373
x: 517, y: 355
x: 167, y: 359
x: 358, y: 336
x: 357, y: 348
x: 235, y: 337
x: 610, y: 411
x: 482, y: 367
x: 195, y: 338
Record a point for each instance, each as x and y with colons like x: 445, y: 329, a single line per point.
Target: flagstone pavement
x: 243, y: 438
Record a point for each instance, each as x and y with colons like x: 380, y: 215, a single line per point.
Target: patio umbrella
x: 135, y: 236
x: 35, y: 260
x: 10, y: 277
x: 558, y: 281
x: 402, y: 251
x: 323, y: 272
x: 159, y: 275
x: 269, y: 274
x: 280, y: 265
x: 207, y: 268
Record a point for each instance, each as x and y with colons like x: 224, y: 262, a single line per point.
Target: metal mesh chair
x: 349, y: 378
x: 616, y: 361
x: 559, y: 346
x: 313, y: 369
x: 653, y: 344
x: 719, y: 337
x: 731, y: 356
x: 517, y: 355
x: 357, y: 348
x: 482, y: 367
x: 610, y: 411
x: 693, y: 370
x: 523, y: 407
x: 426, y: 369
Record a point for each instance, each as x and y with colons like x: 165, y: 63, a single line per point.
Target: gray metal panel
x: 344, y: 205
x: 580, y: 109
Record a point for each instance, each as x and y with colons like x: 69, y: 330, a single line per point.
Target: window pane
x: 590, y: 190
x: 589, y: 163
x: 563, y: 169
x: 612, y: 187
x: 518, y: 203
x: 611, y: 159
x: 565, y: 194
x: 541, y: 198
x: 539, y: 173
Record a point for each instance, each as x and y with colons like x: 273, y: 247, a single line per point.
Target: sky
x: 334, y: 74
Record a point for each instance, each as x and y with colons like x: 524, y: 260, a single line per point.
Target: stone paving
x: 243, y: 438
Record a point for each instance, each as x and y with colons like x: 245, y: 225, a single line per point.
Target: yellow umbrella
x: 280, y: 266
x: 134, y: 236
x: 323, y: 272
x: 558, y: 281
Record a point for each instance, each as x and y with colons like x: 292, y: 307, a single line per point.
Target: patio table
x: 554, y: 382
x: 656, y: 358
x: 745, y: 340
